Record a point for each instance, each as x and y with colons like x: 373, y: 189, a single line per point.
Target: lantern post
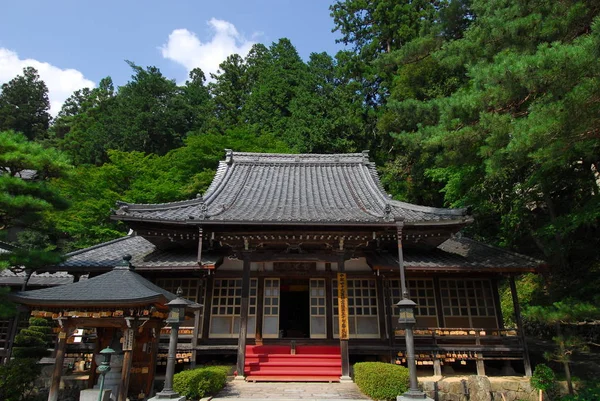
x: 176, y: 316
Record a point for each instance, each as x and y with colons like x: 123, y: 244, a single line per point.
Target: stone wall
x: 479, y: 388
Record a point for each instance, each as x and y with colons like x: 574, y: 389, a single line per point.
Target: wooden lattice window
x: 226, y: 308
x: 421, y: 291
x: 271, y: 308
x: 191, y: 287
x: 467, y: 297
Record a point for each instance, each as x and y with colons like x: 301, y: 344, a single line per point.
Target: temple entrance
x: 294, y: 318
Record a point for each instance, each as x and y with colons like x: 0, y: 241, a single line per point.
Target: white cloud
x: 61, y: 83
x: 185, y: 48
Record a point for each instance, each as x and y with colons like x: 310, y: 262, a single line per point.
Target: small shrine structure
x: 120, y: 309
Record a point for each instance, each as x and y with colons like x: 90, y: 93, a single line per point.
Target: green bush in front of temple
x: 201, y: 382
x: 381, y: 381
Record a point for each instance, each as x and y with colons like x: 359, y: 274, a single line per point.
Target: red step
x: 277, y: 363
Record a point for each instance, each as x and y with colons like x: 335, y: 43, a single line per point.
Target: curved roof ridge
x: 224, y: 207
x: 160, y: 206
x: 114, y: 241
x: 428, y: 209
x: 217, y: 183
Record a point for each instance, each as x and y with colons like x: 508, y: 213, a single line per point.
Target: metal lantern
x: 176, y: 310
x: 104, y: 368
x: 407, y: 312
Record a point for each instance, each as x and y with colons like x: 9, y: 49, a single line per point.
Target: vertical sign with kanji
x: 343, y: 305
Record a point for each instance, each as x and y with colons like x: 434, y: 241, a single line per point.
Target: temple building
x: 296, y: 260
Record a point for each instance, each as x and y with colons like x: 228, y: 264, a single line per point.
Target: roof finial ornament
x: 125, y: 263
x: 387, y: 210
x: 123, y: 208
x: 179, y: 292
x: 228, y: 156
x: 365, y: 155
x: 203, y: 207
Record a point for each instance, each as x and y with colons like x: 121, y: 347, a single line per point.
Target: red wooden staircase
x: 309, y: 363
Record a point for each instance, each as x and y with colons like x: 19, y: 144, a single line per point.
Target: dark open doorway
x: 294, y: 317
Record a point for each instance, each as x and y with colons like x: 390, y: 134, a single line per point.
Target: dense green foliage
x: 381, y: 381
x: 543, y: 378
x: 16, y: 379
x: 25, y: 197
x: 201, y: 382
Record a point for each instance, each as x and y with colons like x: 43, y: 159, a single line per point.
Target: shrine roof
x: 118, y: 287
x: 251, y: 188
x: 458, y: 254
x: 14, y: 278
x: 455, y: 254
x: 145, y: 256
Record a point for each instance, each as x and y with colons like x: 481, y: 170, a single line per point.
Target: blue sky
x: 76, y: 43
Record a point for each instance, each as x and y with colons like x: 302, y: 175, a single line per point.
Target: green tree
x: 278, y: 78
x: 25, y: 195
x: 24, y: 105
x: 229, y: 92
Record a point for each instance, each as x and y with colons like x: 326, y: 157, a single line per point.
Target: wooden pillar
x: 259, y: 311
x: 438, y: 302
x: 329, y: 307
x: 208, y: 295
x: 155, y: 338
x: 343, y: 341
x: 195, y: 333
x: 519, y: 322
x: 241, y: 351
x: 389, y: 315
x: 497, y: 307
x: 437, y: 367
x: 381, y: 308
x: 199, y: 255
x: 58, y: 364
x: 127, y: 362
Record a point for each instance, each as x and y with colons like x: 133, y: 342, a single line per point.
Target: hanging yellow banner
x: 343, y: 305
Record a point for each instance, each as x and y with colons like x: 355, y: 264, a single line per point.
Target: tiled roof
x: 145, y: 256
x: 8, y: 277
x: 301, y: 188
x: 119, y: 287
x: 457, y: 254
x: 109, y: 254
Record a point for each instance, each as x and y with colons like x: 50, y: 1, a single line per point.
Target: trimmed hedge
x: 381, y: 381
x: 201, y: 382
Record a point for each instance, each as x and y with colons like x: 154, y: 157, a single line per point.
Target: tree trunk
x: 564, y: 359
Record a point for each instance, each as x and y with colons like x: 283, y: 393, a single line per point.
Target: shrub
x: 381, y: 381
x: 200, y: 382
x: 543, y: 378
x: 32, y: 342
x: 16, y: 379
x: 589, y: 393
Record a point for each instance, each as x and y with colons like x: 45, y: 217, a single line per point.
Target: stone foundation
x: 479, y: 388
